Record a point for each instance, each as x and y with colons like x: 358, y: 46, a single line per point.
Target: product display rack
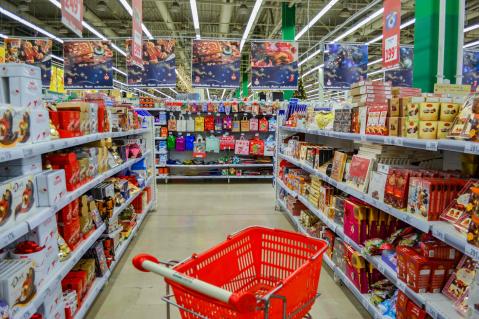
x: 178, y: 175
x: 436, y: 304
x: 20, y: 228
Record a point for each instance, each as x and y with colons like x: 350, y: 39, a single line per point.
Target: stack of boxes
x: 23, y: 118
x: 427, y: 116
x: 370, y: 114
x: 397, y: 111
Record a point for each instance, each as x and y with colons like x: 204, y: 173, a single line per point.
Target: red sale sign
x: 72, y: 15
x: 137, y: 43
x: 391, y: 32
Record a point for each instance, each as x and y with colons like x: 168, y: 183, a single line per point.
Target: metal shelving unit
x: 42, y: 214
x: 437, y: 305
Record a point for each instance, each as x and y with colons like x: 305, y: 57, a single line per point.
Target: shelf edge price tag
x: 471, y: 147
x: 472, y: 251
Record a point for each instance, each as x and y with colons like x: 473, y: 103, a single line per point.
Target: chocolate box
x: 429, y: 111
x: 428, y: 130
x: 51, y: 187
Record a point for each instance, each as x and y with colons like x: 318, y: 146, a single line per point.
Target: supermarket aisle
x: 192, y: 218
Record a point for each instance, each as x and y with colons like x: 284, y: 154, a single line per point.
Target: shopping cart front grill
x: 280, y: 268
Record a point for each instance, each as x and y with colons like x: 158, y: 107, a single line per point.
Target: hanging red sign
x: 72, y: 15
x: 137, y: 43
x: 391, y: 32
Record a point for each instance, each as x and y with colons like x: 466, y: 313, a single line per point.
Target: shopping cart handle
x: 244, y: 302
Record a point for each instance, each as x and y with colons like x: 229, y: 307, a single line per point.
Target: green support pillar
x: 288, y: 31
x: 244, y: 84
x: 238, y: 94
x: 426, y: 36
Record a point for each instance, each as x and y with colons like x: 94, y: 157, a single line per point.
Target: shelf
x: 124, y: 245
x: 150, y: 109
x: 287, y: 189
x: 437, y: 305
x: 58, y: 144
x: 119, y: 209
x: 362, y: 298
x: 218, y: 165
x: 37, y: 217
x: 160, y: 138
x: 439, y: 229
x: 430, y: 145
x: 91, y: 296
x: 214, y: 177
x: 410, y: 219
x: 61, y: 271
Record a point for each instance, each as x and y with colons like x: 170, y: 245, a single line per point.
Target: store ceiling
x: 221, y: 18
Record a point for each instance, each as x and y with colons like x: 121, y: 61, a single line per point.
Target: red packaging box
x: 355, y: 220
x: 69, y: 163
x: 356, y: 269
x: 69, y: 212
x: 437, y: 250
x: 73, y: 283
x: 401, y: 303
x: 71, y: 232
x: 440, y: 272
x: 415, y: 312
x: 402, y: 257
x: 418, y: 272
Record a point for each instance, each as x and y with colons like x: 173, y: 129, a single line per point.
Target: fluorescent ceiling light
x: 375, y: 61
x: 128, y: 8
x: 404, y: 25
x: 57, y: 57
x: 376, y: 72
x: 378, y: 79
x: 173, y: 91
x: 249, y: 84
x: 360, y: 24
x: 29, y: 24
x: 119, y: 71
x: 252, y: 17
x: 472, y: 27
x: 196, y: 20
x: 164, y: 94
x: 3, y: 36
x: 315, y: 19
x: 208, y: 93
x: 307, y: 86
x: 223, y: 94
x: 312, y: 70
x: 471, y: 44
x: 309, y: 57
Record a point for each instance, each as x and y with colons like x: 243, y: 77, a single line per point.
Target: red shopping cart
x: 256, y: 273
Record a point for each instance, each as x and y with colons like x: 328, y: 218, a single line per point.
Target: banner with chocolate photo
x: 402, y: 76
x: 470, y: 69
x: 215, y: 64
x: 159, y: 64
x: 344, y: 64
x: 274, y: 65
x: 37, y: 52
x: 88, y: 64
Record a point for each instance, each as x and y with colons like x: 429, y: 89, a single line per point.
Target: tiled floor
x: 191, y: 218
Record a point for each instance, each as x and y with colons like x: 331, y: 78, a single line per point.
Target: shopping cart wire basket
x: 256, y: 273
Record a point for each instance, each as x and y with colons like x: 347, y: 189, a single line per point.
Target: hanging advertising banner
x: 159, y: 64
x: 72, y: 15
x: 470, y: 69
x: 344, y: 64
x: 274, y: 65
x: 2, y: 54
x: 402, y: 76
x: 60, y: 80
x: 37, y: 52
x: 391, y: 33
x: 88, y: 64
x: 53, y: 82
x: 137, y: 44
x: 215, y: 64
